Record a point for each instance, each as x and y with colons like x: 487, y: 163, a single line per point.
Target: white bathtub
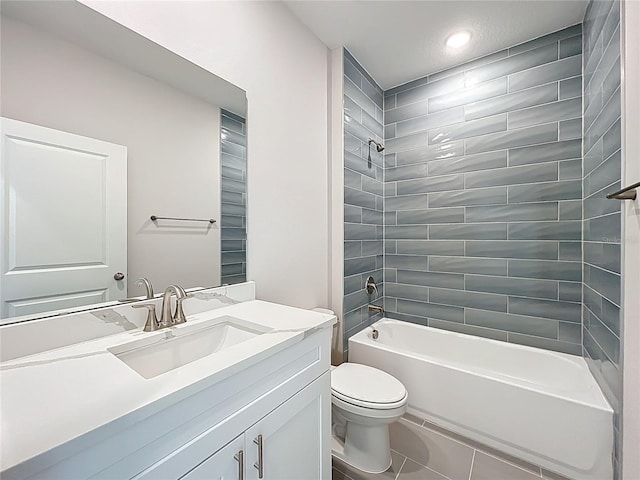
x: 541, y: 406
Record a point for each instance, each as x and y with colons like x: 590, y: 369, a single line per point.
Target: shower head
x: 379, y: 146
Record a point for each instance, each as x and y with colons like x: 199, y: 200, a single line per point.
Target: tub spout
x: 376, y: 309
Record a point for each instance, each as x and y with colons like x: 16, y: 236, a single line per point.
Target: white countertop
x: 50, y: 398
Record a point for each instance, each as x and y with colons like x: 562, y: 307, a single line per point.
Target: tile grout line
x: 425, y: 425
x: 473, y: 459
x: 401, y: 466
x: 504, y: 460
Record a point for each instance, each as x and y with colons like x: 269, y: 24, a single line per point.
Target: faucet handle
x: 152, y: 320
x: 370, y: 286
x: 179, y: 316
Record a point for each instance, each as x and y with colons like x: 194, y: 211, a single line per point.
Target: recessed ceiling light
x: 458, y: 39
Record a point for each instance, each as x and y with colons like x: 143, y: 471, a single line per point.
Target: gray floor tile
x: 338, y: 475
x: 431, y: 449
x: 397, y: 461
x: 414, y: 471
x: 486, y: 467
x: 484, y: 448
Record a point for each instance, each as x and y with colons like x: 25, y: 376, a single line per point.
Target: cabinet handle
x: 240, y: 458
x: 259, y: 464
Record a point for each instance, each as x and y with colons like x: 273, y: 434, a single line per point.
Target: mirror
x: 103, y: 129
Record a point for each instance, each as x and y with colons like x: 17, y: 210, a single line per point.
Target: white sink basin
x: 176, y: 347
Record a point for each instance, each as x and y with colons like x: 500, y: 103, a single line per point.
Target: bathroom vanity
x: 241, y: 390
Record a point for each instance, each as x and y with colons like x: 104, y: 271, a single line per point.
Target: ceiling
x: 399, y: 41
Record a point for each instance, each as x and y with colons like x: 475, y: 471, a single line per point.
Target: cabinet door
x: 294, y: 438
x: 226, y: 464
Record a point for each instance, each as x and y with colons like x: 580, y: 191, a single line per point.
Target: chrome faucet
x: 151, y: 324
x: 147, y: 285
x: 376, y: 309
x: 166, y: 318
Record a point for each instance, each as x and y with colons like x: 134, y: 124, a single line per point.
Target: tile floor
x: 424, y: 451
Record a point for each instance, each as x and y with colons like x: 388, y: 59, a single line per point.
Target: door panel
x: 295, y: 437
x: 222, y: 465
x: 46, y: 200
x: 63, y: 227
x: 15, y: 308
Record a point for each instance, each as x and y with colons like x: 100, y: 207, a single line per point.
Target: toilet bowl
x: 364, y: 401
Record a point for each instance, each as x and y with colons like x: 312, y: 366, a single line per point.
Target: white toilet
x: 364, y: 401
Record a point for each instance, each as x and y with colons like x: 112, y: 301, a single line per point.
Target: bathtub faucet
x: 376, y: 309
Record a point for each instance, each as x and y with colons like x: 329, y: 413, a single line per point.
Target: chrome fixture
x: 166, y: 318
x: 375, y: 334
x: 239, y: 457
x: 259, y: 465
x: 155, y: 218
x: 152, y: 320
x: 376, y: 309
x: 370, y: 285
x: 379, y: 148
x: 147, y: 285
x: 627, y: 193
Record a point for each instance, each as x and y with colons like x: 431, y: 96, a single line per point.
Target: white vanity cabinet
x: 198, y: 432
x: 228, y: 462
x: 286, y: 444
x: 291, y: 446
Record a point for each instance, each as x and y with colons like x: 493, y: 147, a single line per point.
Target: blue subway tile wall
x: 483, y: 195
x: 233, y: 185
x: 363, y: 196
x: 601, y: 221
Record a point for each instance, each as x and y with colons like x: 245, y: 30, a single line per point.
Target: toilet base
x: 366, y: 448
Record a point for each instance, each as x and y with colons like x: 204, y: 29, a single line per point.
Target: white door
x: 292, y: 442
x: 63, y: 219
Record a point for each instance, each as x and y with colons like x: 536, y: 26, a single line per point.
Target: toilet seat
x: 367, y: 387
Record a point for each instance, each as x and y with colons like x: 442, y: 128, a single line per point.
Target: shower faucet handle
x: 370, y: 286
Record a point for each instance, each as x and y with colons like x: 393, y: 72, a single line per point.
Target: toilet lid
x: 366, y: 384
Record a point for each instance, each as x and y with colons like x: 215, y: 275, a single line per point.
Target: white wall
x: 173, y: 142
x: 337, y: 201
x: 631, y: 242
x: 262, y: 48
